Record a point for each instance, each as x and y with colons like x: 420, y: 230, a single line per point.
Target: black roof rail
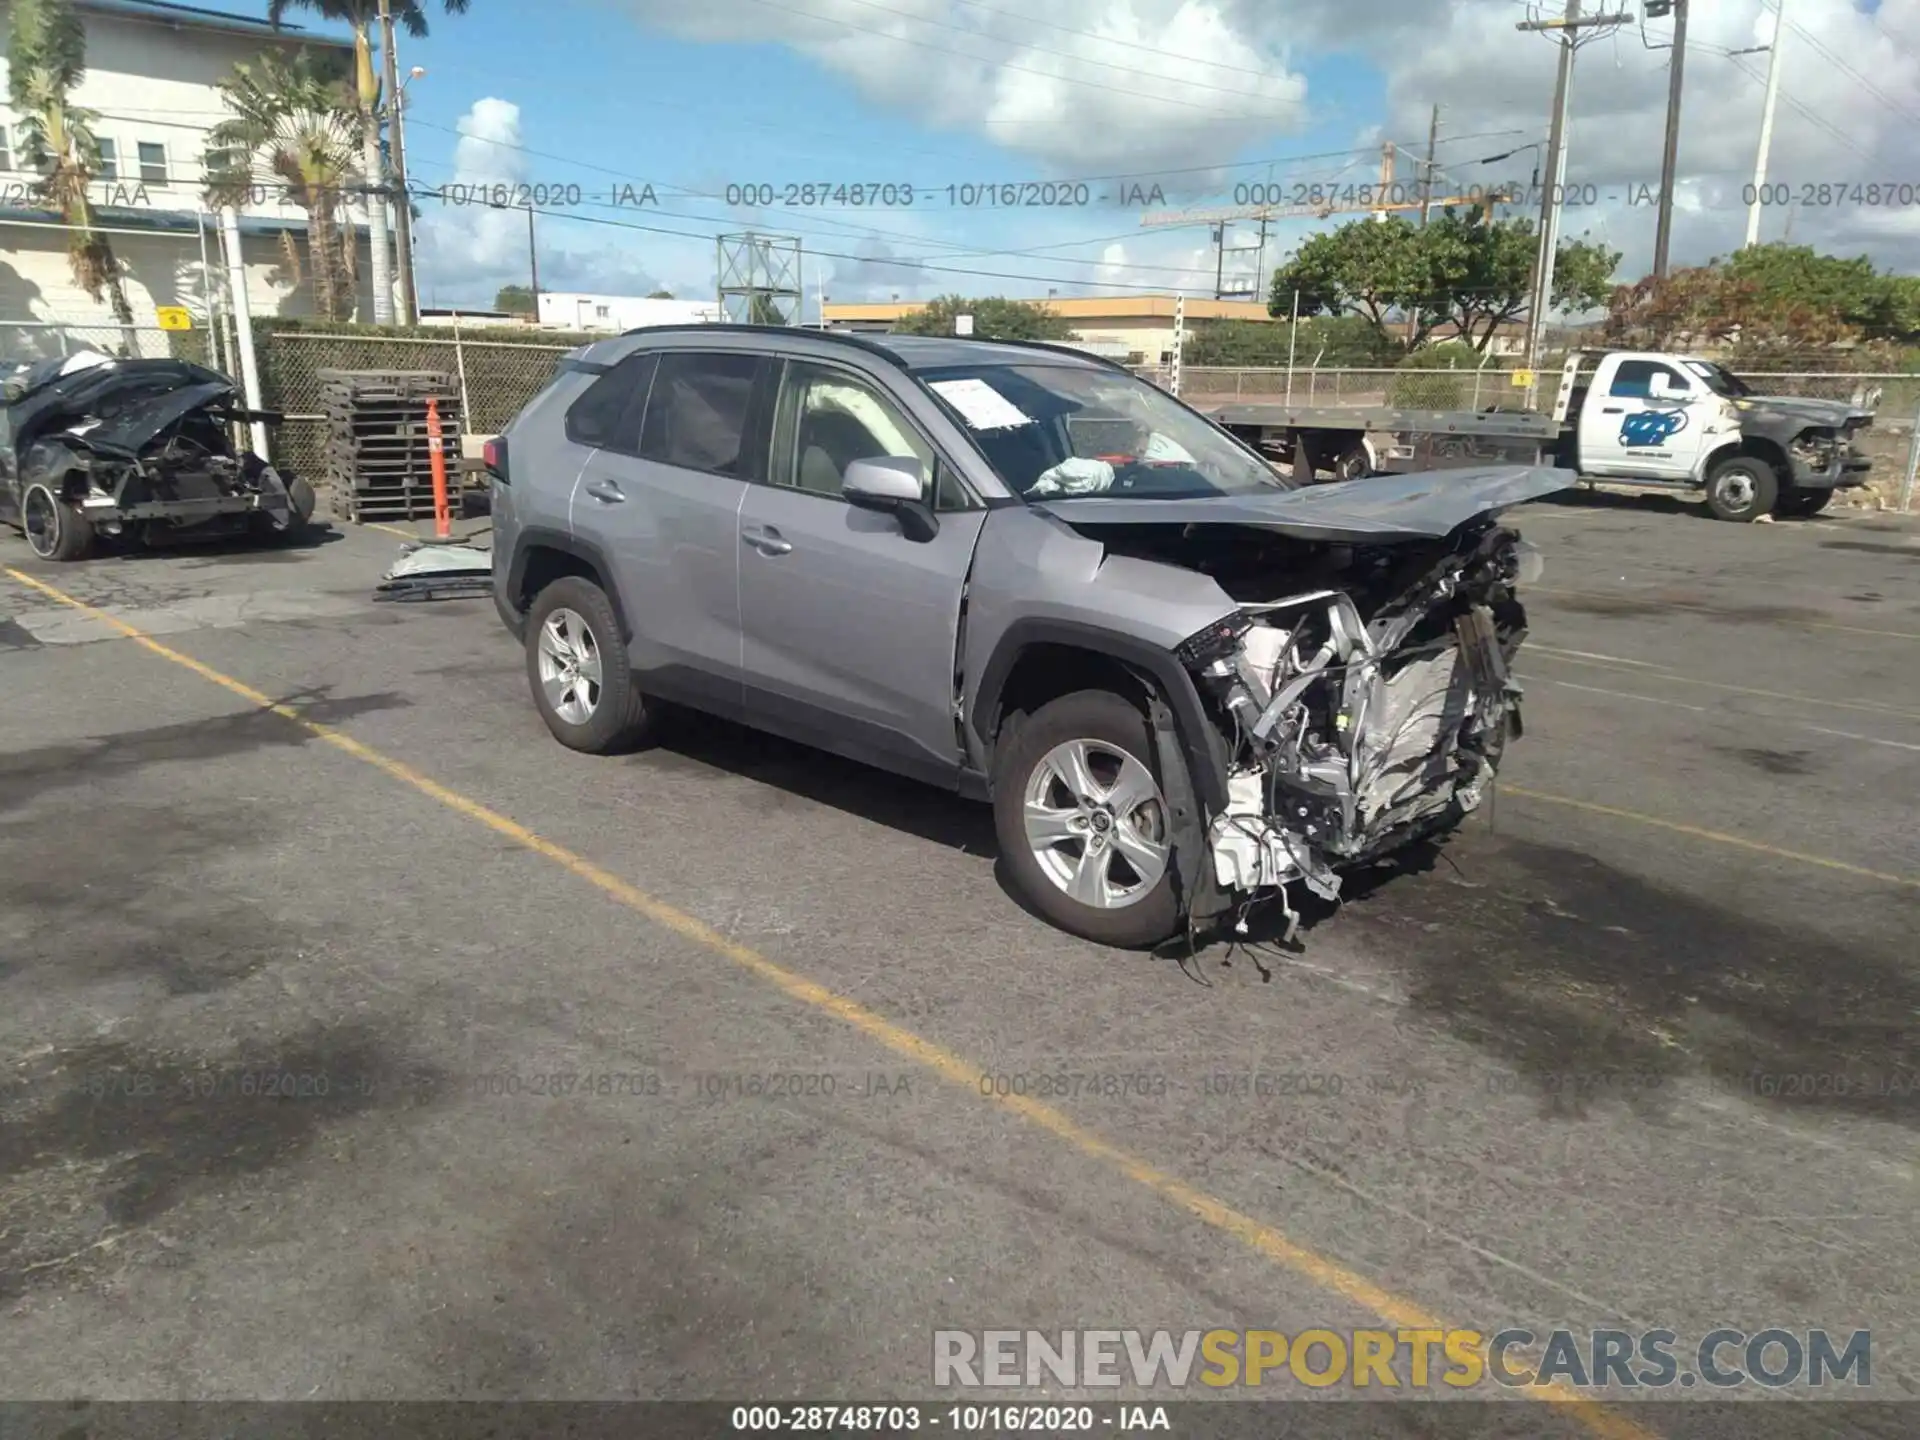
x: 1059, y: 349
x: 697, y: 327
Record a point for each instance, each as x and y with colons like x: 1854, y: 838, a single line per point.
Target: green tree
x: 1463, y: 268
x: 1327, y: 340
x: 994, y: 318
x: 296, y: 117
x: 660, y: 295
x: 363, y: 16
x: 515, y: 300
x: 47, y: 60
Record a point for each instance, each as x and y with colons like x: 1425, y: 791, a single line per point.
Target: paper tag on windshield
x: 980, y: 405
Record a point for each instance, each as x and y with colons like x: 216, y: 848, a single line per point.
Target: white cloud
x: 467, y: 251
x: 1089, y: 83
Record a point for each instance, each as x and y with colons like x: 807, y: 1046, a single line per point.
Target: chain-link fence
x: 494, y: 379
x: 55, y: 339
x: 1493, y: 385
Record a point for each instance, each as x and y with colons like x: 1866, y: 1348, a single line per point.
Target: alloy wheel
x: 1096, y: 823
x: 569, y: 657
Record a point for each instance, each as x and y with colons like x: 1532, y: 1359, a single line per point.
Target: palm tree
x: 295, y: 117
x: 47, y: 60
x: 363, y: 15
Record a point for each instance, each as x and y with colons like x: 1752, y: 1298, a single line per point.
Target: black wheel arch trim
x: 543, y: 537
x: 1200, y: 742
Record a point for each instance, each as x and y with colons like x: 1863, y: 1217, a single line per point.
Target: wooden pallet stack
x: 379, y: 464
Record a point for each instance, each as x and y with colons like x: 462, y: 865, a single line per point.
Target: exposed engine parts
x: 1360, y: 715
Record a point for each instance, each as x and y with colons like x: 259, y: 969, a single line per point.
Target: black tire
x: 1108, y: 721
x: 1742, y: 488
x: 619, y: 718
x: 1353, y: 463
x: 302, y: 501
x: 54, y: 529
x: 1802, y: 503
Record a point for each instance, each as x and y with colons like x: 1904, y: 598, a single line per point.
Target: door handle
x: 1613, y: 410
x: 767, y: 541
x: 605, y: 491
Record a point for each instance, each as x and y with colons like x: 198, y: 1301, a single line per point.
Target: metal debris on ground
x: 431, y: 569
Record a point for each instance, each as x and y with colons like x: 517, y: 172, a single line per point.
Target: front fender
x: 1200, y: 741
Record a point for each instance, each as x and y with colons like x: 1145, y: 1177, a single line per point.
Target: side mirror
x: 892, y: 485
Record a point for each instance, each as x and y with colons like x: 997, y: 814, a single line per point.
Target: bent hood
x: 1798, y: 410
x: 1429, y: 505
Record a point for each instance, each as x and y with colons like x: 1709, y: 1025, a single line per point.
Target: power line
x: 1841, y: 65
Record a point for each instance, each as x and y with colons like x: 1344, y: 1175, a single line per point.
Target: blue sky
x: 1194, y: 96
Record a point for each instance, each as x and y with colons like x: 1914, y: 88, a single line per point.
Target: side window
x: 1633, y: 380
x: 608, y: 414
x: 828, y: 419
x: 699, y: 412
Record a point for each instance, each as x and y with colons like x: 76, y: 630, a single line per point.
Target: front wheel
x: 55, y: 528
x: 1742, y: 488
x: 1083, y: 823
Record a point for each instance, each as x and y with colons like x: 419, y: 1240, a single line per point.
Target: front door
x: 1650, y: 423
x: 849, y: 627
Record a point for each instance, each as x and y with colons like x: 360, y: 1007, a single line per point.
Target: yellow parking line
x: 1716, y: 836
x: 390, y: 529
x: 1256, y: 1235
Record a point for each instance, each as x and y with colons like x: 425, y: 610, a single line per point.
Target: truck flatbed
x: 1362, y: 419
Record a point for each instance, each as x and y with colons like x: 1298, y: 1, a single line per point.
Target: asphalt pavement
x: 1636, y: 1048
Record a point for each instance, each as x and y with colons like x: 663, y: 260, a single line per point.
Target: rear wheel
x: 1742, y: 488
x: 1083, y: 822
x: 577, y: 667
x: 1353, y: 463
x: 55, y: 528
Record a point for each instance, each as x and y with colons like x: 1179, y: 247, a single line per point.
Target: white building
x: 617, y: 313
x: 152, y: 69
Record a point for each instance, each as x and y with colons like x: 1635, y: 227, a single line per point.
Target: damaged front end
x: 1362, y: 686
x: 142, y: 448
x: 1357, y: 719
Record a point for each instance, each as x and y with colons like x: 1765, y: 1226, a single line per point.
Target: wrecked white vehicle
x: 1021, y: 573
x: 135, y: 449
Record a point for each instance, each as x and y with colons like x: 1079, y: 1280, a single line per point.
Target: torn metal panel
x: 1429, y: 505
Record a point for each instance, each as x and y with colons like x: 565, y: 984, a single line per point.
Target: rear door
x: 1644, y: 418
x: 849, y: 627
x: 661, y: 499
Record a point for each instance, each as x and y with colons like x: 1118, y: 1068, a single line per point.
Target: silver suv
x: 1020, y: 573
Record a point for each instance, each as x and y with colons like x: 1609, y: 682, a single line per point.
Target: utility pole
x: 533, y: 261
x: 1550, y: 200
x: 1664, y: 235
x: 1219, y: 260
x: 1766, y: 119
x: 402, y: 200
x: 1426, y: 185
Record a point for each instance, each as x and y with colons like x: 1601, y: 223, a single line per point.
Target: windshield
x: 1721, y: 382
x: 1059, y: 430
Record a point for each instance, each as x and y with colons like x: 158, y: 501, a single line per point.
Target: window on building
x: 6, y: 152
x: 601, y: 311
x: 153, y: 163
x: 109, y: 160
